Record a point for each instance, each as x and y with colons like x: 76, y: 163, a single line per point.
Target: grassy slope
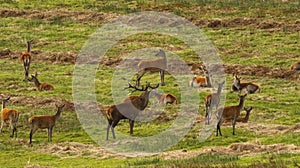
x: 237, y: 46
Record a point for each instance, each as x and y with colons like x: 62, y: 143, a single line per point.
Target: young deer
x: 201, y: 81
x: 212, y: 100
x: 129, y: 109
x: 246, y: 118
x: 44, y: 121
x: 250, y: 88
x: 9, y: 115
x: 164, y: 98
x: 25, y: 59
x: 295, y: 66
x: 230, y: 113
x: 159, y: 65
x: 41, y: 86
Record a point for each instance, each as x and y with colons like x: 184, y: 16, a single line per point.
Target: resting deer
x: 230, y: 113
x: 41, y: 86
x: 244, y: 119
x: 201, y: 81
x: 25, y: 59
x: 157, y: 65
x: 129, y: 109
x: 164, y: 98
x: 9, y: 115
x: 44, y: 121
x: 212, y: 100
x: 249, y: 88
x: 295, y: 66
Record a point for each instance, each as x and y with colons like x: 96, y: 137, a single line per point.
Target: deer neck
x: 208, y: 80
x: 3, y: 105
x: 219, y: 91
x: 145, y: 99
x: 241, y: 104
x: 247, y: 116
x: 57, y: 115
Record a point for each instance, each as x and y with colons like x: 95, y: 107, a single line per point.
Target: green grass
x: 278, y: 102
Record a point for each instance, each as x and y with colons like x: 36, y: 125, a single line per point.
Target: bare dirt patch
x: 76, y: 149
x: 50, y: 15
x: 240, y: 149
x: 269, y: 129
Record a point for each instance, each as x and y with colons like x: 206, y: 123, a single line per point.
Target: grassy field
x: 258, y: 35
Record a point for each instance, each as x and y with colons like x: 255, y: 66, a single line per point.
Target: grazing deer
x: 230, y: 113
x: 44, y: 121
x: 201, y: 81
x: 295, y: 66
x: 249, y: 88
x: 164, y: 98
x: 212, y: 100
x: 41, y: 86
x: 129, y: 109
x: 9, y: 115
x: 159, y: 65
x: 25, y: 59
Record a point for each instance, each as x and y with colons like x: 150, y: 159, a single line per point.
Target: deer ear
x: 62, y: 106
x: 7, y: 98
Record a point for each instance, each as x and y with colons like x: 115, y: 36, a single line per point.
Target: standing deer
x: 230, y: 113
x: 41, y: 86
x: 295, y: 66
x: 164, y: 98
x: 129, y: 109
x: 249, y: 88
x: 25, y: 59
x: 244, y: 119
x: 212, y: 100
x: 44, y: 121
x: 9, y: 115
x: 159, y: 65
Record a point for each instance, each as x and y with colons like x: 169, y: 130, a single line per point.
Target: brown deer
x: 243, y: 119
x: 129, y: 109
x: 159, y: 65
x: 44, y: 121
x: 295, y: 66
x: 25, y: 59
x: 201, y: 81
x: 212, y: 100
x: 164, y: 98
x: 230, y: 113
x: 249, y: 88
x: 41, y: 86
x: 9, y: 115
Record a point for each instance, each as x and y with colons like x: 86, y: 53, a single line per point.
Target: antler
x: 141, y: 89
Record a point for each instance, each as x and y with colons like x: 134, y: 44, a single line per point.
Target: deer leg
x: 162, y: 77
x: 107, y: 129
x: 31, y: 133
x: 139, y: 77
x: 50, y: 134
x: 115, y: 123
x: 233, y: 126
x: 2, y: 123
x: 131, y: 124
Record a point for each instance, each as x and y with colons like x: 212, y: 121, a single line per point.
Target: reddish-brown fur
x: 212, y: 100
x: 44, y: 121
x: 9, y: 116
x: 230, y: 113
x: 243, y: 119
x: 129, y: 109
x: 41, y: 86
x: 295, y: 66
x: 164, y: 98
x: 159, y: 65
x: 25, y: 59
x: 249, y: 87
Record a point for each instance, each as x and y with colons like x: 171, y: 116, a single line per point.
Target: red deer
x: 44, y: 121
x: 246, y: 118
x: 129, y: 109
x: 159, y: 65
x: 9, y: 115
x: 25, y: 59
x: 295, y: 66
x: 230, y: 113
x: 41, y: 86
x: 164, y: 98
x: 212, y: 100
x: 249, y: 88
x: 201, y: 81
